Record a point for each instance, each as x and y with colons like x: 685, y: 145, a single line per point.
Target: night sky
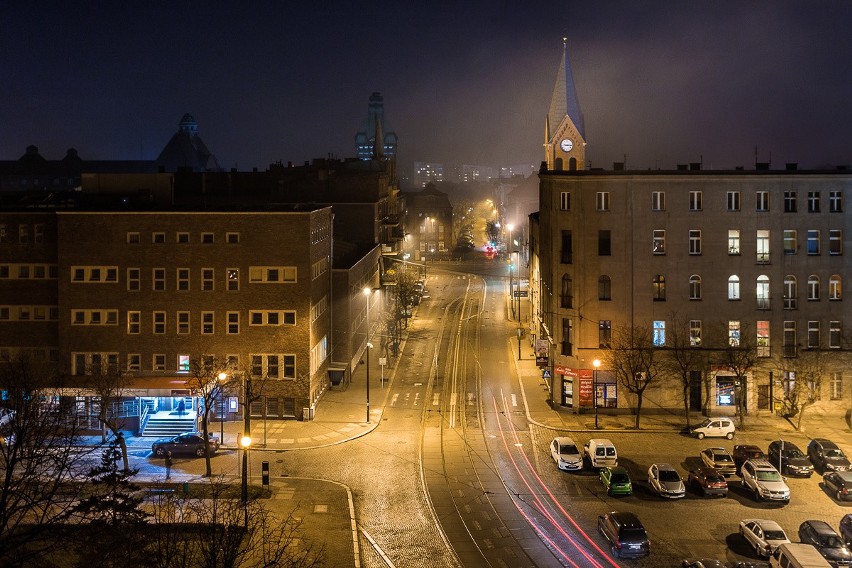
x: 464, y: 82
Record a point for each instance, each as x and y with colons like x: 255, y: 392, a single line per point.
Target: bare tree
x: 39, y: 459
x: 211, y: 532
x: 633, y: 357
x: 682, y: 357
x: 110, y: 386
x: 738, y: 355
x: 204, y: 381
x: 802, y: 381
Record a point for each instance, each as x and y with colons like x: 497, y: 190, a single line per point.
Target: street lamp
x: 367, y: 292
x: 222, y: 377
x: 245, y: 442
x: 596, y: 363
x: 511, y: 286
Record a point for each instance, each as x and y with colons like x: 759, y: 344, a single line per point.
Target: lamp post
x: 596, y: 363
x: 245, y: 442
x: 511, y: 286
x: 367, y: 347
x: 222, y: 377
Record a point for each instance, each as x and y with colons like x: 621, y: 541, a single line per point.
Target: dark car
x: 789, y: 459
x: 709, y: 481
x: 191, y: 443
x: 846, y: 528
x: 839, y: 483
x: 743, y: 452
x: 826, y: 456
x: 625, y: 533
x: 830, y: 545
x: 703, y: 563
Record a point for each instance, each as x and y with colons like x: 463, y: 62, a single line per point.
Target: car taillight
x: 844, y: 491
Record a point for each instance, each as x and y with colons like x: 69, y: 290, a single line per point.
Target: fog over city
x: 659, y: 83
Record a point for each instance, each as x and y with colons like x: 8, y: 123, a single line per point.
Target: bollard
x: 264, y: 466
x: 186, y: 488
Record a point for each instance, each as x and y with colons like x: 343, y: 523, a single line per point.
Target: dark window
x: 604, y: 288
x: 604, y: 243
x: 566, y: 296
x: 567, y: 346
x: 566, y: 247
x: 789, y: 202
x: 604, y: 334
x: 659, y: 284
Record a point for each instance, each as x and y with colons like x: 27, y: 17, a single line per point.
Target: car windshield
x: 768, y: 475
x: 633, y: 535
x: 669, y: 475
x: 620, y: 478
x: 568, y: 449
x: 833, y: 453
x: 722, y: 457
x: 831, y: 541
x: 713, y: 478
x: 774, y: 535
x: 790, y: 454
x: 704, y: 424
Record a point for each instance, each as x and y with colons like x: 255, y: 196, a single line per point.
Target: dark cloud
x: 468, y: 82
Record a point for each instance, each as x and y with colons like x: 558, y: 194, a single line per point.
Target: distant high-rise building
x: 374, y: 128
x: 427, y: 172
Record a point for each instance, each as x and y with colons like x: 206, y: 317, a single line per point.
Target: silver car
x: 565, y: 453
x: 763, y: 535
x: 667, y: 482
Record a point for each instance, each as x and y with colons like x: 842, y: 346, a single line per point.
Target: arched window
x: 604, y: 287
x: 813, y: 287
x: 572, y: 164
x: 659, y: 286
x: 557, y: 164
x: 734, y: 287
x: 791, y: 292
x: 834, y: 290
x: 763, y: 292
x: 695, y: 287
x: 566, y: 298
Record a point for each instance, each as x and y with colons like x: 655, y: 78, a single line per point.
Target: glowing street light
x: 596, y: 363
x: 367, y: 292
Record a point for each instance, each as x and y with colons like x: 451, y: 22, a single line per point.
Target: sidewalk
x: 536, y: 394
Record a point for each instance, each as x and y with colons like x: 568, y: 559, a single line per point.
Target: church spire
x: 564, y: 100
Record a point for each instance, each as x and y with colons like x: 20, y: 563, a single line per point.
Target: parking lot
x: 694, y: 526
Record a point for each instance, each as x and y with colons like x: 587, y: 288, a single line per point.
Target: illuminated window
x: 734, y: 333
x: 734, y: 287
x: 659, y: 333
x: 183, y: 363
x: 695, y: 333
x: 790, y: 244
x: 813, y: 242
x: 733, y: 241
x: 658, y: 245
x: 763, y: 292
x: 763, y: 339
x: 659, y: 287
x: 762, y: 246
x: 233, y: 279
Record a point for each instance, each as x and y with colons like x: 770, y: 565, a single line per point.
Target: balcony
x: 390, y: 221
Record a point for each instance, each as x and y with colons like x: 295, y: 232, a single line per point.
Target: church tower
x: 564, y: 133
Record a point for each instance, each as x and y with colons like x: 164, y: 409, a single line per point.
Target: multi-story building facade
x: 429, y: 218
x: 703, y: 260
x: 146, y: 292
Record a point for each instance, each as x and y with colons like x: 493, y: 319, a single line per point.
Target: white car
x: 764, y: 481
x: 764, y: 535
x: 565, y: 453
x: 714, y: 428
x: 667, y: 482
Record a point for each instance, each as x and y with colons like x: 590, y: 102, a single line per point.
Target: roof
x: 186, y: 150
x: 564, y: 99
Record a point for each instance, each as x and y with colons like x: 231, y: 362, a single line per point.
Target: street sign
x: 521, y: 293
x: 545, y: 374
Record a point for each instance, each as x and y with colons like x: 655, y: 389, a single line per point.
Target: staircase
x: 165, y: 425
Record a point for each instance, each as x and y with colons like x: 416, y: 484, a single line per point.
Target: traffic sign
x: 545, y: 374
x: 521, y: 293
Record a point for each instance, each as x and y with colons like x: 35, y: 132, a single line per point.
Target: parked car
x: 839, y: 483
x: 827, y: 541
x: 703, y: 563
x: 625, y: 533
x: 600, y: 452
x: 616, y: 480
x: 667, y: 482
x: 564, y: 452
x: 797, y: 555
x: 709, y: 481
x: 763, y: 535
x: 846, y: 528
x: 720, y: 459
x: 764, y: 481
x: 714, y: 428
x: 743, y: 452
x: 789, y: 459
x: 191, y: 443
x: 826, y: 456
